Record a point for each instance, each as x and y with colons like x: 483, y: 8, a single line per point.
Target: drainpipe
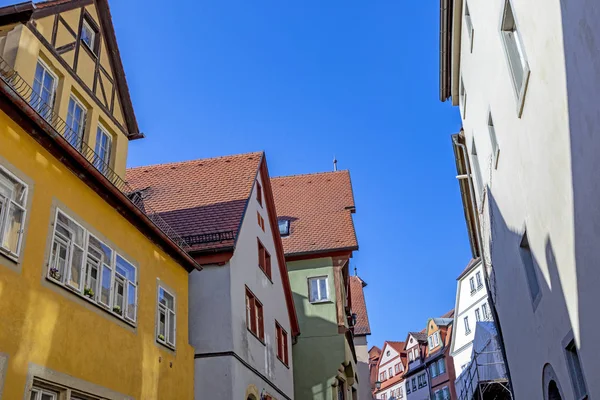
x: 491, y: 302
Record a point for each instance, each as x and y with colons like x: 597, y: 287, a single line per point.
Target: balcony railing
x: 205, y: 238
x: 22, y: 88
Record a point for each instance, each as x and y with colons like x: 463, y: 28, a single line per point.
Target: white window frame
x: 89, y: 27
x: 112, y: 265
x: 84, y: 110
x: 39, y: 392
x: 161, y: 307
x: 476, y: 170
x: 436, y: 339
x: 462, y: 99
x: 318, y: 278
x: 4, y: 214
x: 47, y: 70
x: 477, y: 315
x: 469, y: 25
x: 472, y: 285
x: 485, y: 311
x: 511, y: 45
x: 493, y: 140
x: 108, y: 155
x: 479, y: 280
x: 65, y: 278
x: 467, y: 327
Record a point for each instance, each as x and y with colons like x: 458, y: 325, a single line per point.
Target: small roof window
x: 284, y: 227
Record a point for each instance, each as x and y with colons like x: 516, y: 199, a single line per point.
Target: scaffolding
x: 485, y: 377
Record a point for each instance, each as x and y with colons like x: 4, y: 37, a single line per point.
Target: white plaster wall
x: 385, y: 358
x: 533, y: 186
x: 210, y: 328
x: 214, y: 378
x: 362, y: 356
x: 388, y: 391
x: 246, y: 272
x: 466, y: 304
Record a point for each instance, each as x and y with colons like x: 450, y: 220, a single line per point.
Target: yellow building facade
x: 93, y: 294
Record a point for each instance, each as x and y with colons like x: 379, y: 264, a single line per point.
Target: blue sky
x: 304, y: 80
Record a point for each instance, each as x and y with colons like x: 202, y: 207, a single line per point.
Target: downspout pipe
x: 485, y: 271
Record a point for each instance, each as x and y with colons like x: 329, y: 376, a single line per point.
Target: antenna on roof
x: 334, y: 163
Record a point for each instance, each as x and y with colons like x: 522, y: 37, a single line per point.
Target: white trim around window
x: 76, y: 117
x: 13, y: 212
x: 318, y: 289
x: 166, y: 319
x: 90, y: 268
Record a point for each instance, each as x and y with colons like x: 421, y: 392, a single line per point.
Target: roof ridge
x: 311, y: 174
x: 195, y: 160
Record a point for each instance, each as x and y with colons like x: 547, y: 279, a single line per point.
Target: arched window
x: 553, y: 392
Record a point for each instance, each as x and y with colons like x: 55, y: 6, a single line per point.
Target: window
x: 282, y: 343
x: 436, y: 339
x: 284, y: 227
x: 264, y: 259
x: 75, y: 123
x: 575, y: 371
x: 441, y: 367
x: 477, y: 315
x: 462, y: 100
x: 476, y: 168
x: 261, y: 221
x: 532, y: 280
x: 472, y: 283
x: 382, y: 376
x: 515, y: 54
x: 318, y: 289
x: 44, y: 89
x: 387, y: 353
x: 166, y: 317
x: 430, y: 342
x: 414, y: 384
x: 446, y: 393
x: 13, y: 197
x: 420, y: 381
x: 86, y: 265
x: 479, y: 280
x: 400, y: 392
x: 103, y: 149
x: 384, y: 396
x: 408, y: 387
x: 259, y: 193
x: 390, y: 372
x: 493, y: 141
x: 254, y: 316
x: 433, y: 370
x: 88, y: 35
x: 397, y: 368
x: 42, y: 394
x: 469, y: 25
x: 467, y: 329
x: 485, y: 311
x: 410, y: 356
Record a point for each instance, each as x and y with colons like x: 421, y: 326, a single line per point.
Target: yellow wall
x: 43, y: 324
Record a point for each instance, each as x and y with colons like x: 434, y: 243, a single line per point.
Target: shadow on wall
x: 522, y: 316
x: 319, y: 352
x: 581, y: 41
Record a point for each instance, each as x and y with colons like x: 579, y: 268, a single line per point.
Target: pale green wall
x: 320, y: 349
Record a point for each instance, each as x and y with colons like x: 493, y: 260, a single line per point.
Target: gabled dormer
x: 437, y: 329
x: 414, y: 346
x: 69, y: 70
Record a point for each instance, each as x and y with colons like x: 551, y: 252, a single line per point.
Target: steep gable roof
x: 470, y: 266
x: 359, y: 306
x: 319, y: 208
x: 398, y: 346
x: 51, y: 7
x: 202, y: 199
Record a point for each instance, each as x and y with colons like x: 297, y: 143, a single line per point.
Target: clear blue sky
x: 304, y: 80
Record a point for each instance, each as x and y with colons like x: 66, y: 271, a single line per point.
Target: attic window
x: 284, y: 227
x: 387, y: 353
x: 88, y: 35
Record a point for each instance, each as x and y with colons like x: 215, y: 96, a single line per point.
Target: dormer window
x: 284, y: 227
x: 88, y: 35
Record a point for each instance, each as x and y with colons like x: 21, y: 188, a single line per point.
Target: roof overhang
x: 450, y: 40
x: 334, y: 253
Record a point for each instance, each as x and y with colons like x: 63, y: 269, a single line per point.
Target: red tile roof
x: 199, y: 196
x: 319, y: 208
x: 359, y: 306
x: 398, y: 346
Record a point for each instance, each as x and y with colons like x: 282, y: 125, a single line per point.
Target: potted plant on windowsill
x: 161, y: 337
x: 55, y: 273
x: 88, y: 292
x: 117, y: 309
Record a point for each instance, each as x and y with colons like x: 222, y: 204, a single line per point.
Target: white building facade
x: 526, y: 79
x: 471, y: 307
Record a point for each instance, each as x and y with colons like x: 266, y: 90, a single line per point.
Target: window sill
x: 286, y: 365
x: 321, y: 302
x: 9, y: 255
x: 165, y: 344
x: 256, y: 336
x: 87, y: 299
x: 467, y: 333
x: 267, y: 275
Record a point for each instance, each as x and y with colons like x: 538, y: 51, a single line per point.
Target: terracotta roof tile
x: 359, y: 306
x: 199, y: 196
x: 398, y: 346
x: 319, y: 208
x: 50, y: 3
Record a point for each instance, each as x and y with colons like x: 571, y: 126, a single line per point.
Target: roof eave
x: 321, y: 253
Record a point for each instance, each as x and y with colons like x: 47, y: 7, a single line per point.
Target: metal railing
x: 45, y: 110
x: 209, y: 237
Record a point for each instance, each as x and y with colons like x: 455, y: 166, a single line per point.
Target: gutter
x: 59, y: 148
x: 444, y: 50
